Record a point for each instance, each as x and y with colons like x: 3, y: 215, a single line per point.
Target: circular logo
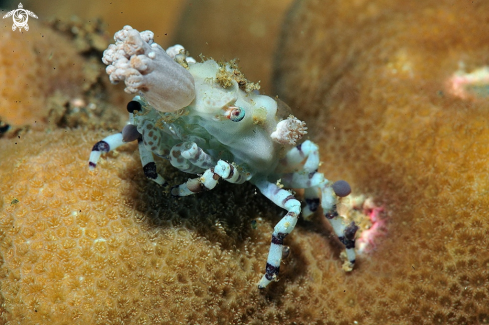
x: 20, y: 18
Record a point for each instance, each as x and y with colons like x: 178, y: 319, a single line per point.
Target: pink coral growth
x: 470, y: 85
x: 366, y: 243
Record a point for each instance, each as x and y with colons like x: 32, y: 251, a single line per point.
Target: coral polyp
x: 208, y: 120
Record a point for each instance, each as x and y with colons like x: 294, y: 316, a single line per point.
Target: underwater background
x: 394, y: 93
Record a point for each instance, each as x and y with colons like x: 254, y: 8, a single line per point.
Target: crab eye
x: 235, y: 113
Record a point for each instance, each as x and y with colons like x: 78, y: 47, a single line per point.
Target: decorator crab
x: 208, y: 120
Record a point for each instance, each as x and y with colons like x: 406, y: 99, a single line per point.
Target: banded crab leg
x: 313, y: 183
x: 286, y: 200
x: 190, y: 158
x: 308, y: 151
x: 149, y: 165
x: 345, y: 232
x: 109, y: 143
x: 209, y: 179
x: 129, y: 133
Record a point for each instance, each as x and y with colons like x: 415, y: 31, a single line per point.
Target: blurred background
x: 222, y: 29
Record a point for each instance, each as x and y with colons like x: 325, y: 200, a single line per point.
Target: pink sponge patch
x: 367, y: 242
x: 470, y: 85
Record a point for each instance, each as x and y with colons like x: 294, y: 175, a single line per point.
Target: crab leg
x: 286, y: 200
x: 196, y: 155
x: 195, y: 185
x: 308, y: 178
x: 345, y: 232
x: 312, y: 202
x: 209, y: 179
x: 329, y: 198
x: 190, y: 158
x: 296, y: 156
x: 179, y: 162
x: 149, y: 165
x: 312, y: 181
x: 107, y: 144
x: 229, y: 173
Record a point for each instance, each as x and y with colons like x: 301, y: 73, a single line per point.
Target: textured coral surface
x: 111, y: 247
x: 52, y: 76
x: 33, y: 66
x: 374, y: 80
x: 108, y: 247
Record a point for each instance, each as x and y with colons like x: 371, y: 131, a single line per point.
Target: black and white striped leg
x: 107, y: 144
x: 195, y: 185
x: 311, y: 196
x: 209, y: 179
x: 229, y: 173
x: 149, y: 165
x: 295, y: 156
x: 329, y: 197
x: 345, y: 232
x: 309, y: 179
x: 311, y: 182
x: 196, y: 156
x: 182, y: 163
x: 286, y: 200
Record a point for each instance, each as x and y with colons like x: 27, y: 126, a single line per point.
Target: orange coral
x: 373, y: 78
x: 107, y: 247
x: 51, y: 77
x: 111, y: 247
x: 33, y: 66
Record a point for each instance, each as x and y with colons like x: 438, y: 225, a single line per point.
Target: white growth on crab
x: 206, y: 120
x: 289, y: 131
x: 146, y: 68
x: 177, y: 49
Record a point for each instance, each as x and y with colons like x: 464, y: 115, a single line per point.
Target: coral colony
x: 208, y: 120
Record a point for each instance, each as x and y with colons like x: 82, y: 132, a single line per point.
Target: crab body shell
x: 208, y: 120
x: 247, y: 143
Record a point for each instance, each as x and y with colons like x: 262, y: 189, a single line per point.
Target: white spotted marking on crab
x: 219, y: 129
